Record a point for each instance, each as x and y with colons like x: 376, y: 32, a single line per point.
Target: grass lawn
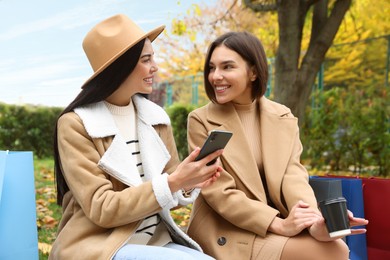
x: 49, y: 213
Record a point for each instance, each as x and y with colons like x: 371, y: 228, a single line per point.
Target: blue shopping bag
x: 352, y: 191
x: 18, y: 229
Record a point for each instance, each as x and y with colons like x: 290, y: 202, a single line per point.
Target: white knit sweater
x: 152, y: 226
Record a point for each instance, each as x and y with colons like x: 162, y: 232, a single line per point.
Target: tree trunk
x: 294, y: 79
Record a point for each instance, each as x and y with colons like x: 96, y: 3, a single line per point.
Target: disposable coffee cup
x: 335, y: 214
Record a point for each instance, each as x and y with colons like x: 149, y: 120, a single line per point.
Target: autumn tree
x: 183, y: 48
x: 295, y: 75
x: 298, y: 33
x: 349, y: 122
x: 358, y: 56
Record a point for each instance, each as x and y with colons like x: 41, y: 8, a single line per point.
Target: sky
x: 41, y: 58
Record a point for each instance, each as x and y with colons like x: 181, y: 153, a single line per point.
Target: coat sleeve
x: 226, y: 197
x: 166, y: 134
x: 92, y: 188
x: 295, y: 185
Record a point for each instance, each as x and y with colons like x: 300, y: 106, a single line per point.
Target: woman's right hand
x: 300, y: 217
x: 195, y: 174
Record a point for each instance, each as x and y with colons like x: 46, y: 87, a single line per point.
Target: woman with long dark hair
x: 116, y: 164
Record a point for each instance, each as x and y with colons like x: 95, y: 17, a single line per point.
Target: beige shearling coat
x: 107, y: 199
x: 228, y: 215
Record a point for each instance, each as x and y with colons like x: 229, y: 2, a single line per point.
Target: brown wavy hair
x: 251, y: 50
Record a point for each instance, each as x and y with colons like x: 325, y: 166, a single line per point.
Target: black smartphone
x: 216, y: 140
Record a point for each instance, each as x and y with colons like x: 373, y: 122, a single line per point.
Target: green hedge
x: 28, y: 128
x: 31, y: 128
x: 346, y: 130
x: 349, y: 130
x: 178, y: 114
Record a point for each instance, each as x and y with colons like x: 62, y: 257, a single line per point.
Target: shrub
x: 178, y: 114
x: 28, y: 128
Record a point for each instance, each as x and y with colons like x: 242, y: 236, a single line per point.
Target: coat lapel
x: 154, y: 153
x: 277, y: 135
x: 239, y: 154
x: 117, y: 160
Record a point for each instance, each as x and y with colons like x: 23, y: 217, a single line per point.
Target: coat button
x: 221, y: 241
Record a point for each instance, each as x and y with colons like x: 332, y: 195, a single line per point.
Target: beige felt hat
x: 111, y: 38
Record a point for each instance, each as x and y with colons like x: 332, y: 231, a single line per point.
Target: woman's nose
x: 154, y: 67
x: 217, y: 75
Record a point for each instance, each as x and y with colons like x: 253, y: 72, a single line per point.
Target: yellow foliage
x: 184, y: 48
x: 178, y: 27
x: 44, y: 248
x: 195, y: 9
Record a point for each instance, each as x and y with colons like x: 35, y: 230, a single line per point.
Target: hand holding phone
x: 216, y: 140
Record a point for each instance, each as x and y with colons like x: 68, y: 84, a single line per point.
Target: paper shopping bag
x: 2, y: 170
x: 326, y: 189
x: 352, y: 191
x: 377, y: 210
x: 18, y: 229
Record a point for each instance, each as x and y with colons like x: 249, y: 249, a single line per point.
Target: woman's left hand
x: 319, y: 231
x: 353, y: 222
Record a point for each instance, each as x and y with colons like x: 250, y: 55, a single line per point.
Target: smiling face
x: 230, y: 76
x: 139, y: 81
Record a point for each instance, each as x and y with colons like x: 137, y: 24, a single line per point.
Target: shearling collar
x: 99, y: 123
x: 148, y: 112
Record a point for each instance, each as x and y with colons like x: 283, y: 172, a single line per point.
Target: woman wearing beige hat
x: 117, y: 169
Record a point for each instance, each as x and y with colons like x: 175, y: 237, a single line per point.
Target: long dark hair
x: 98, y: 89
x: 251, y: 50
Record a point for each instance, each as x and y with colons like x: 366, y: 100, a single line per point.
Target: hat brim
x: 152, y: 35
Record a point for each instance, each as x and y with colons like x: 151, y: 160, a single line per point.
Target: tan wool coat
x: 228, y: 215
x: 107, y: 199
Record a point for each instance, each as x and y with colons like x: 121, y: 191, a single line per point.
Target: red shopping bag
x: 376, y: 193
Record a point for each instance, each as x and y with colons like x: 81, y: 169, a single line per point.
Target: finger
x: 219, y: 162
x: 304, y: 223
x: 191, y: 157
x: 300, y: 204
x: 216, y: 176
x: 362, y: 220
x: 358, y: 231
x: 212, y: 179
x: 211, y: 156
x: 206, y: 183
x: 307, y: 210
x: 358, y: 222
x: 303, y: 204
x: 295, y: 206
